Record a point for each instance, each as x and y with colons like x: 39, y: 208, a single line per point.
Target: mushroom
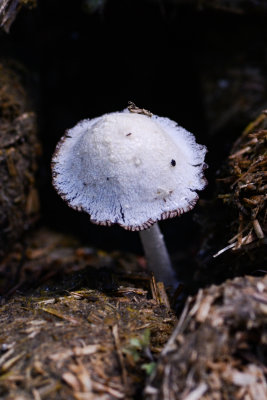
x: 133, y: 169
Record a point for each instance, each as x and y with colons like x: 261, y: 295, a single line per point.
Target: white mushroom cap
x: 129, y: 168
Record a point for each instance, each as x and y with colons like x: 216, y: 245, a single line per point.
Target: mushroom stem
x: 157, y: 256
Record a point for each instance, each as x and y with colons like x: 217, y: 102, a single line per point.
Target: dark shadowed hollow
x: 174, y: 61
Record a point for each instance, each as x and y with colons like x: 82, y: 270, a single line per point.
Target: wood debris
x: 218, y: 348
x: 78, y: 336
x: 246, y: 186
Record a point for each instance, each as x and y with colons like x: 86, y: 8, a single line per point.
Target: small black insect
x: 107, y: 179
x: 173, y: 163
x: 129, y: 134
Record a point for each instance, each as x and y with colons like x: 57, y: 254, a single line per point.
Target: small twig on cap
x: 134, y: 109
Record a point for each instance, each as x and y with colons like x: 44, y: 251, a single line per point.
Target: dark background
x: 204, y: 68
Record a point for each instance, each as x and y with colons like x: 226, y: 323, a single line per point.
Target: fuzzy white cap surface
x: 129, y: 169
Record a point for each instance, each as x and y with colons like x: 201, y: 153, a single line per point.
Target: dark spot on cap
x: 107, y: 179
x: 173, y: 163
x: 129, y: 134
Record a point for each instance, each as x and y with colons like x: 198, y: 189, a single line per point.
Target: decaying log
x: 19, y: 149
x: 246, y: 184
x: 235, y: 220
x: 9, y: 10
